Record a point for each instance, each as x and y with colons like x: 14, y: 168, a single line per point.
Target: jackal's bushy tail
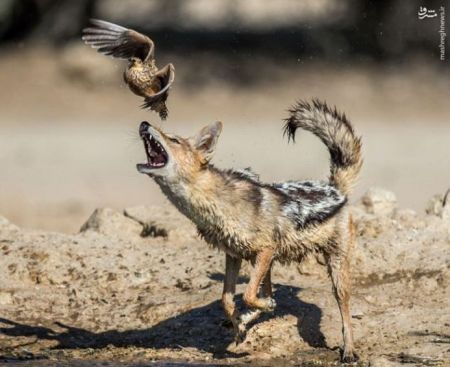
x: 336, y: 133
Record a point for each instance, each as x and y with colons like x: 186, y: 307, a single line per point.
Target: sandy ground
x: 68, y: 128
x: 115, y: 292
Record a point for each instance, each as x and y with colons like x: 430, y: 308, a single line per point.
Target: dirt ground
x: 139, y: 285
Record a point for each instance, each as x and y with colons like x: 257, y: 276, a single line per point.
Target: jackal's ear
x: 205, y: 141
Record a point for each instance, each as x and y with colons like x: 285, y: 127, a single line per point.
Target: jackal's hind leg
x: 338, y: 266
x: 232, y: 266
x: 260, y: 270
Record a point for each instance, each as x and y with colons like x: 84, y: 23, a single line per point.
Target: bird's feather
x: 117, y: 41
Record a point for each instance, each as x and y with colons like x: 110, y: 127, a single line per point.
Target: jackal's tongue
x: 156, y: 155
x: 157, y: 158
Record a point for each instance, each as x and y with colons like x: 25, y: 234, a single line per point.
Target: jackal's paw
x: 349, y: 357
x: 265, y: 304
x: 249, y: 316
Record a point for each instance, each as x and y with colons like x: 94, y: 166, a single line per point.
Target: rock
x: 435, y: 205
x: 160, y: 221
x: 408, y: 218
x: 406, y: 215
x: 382, y: 362
x: 358, y: 314
x: 109, y: 222
x: 429, y: 285
x: 370, y: 299
x: 5, y: 298
x: 3, y: 221
x: 446, y: 213
x: 439, y: 205
x: 7, y: 225
x: 379, y: 201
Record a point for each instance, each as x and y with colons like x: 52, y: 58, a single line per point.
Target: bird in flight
x: 141, y: 75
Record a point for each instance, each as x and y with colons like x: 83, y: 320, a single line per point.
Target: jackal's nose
x: 143, y: 128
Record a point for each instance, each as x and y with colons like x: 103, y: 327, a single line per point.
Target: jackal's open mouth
x: 157, y: 157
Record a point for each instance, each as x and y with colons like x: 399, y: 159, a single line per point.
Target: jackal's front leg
x: 266, y: 293
x: 261, y: 269
x: 232, y: 266
x: 266, y: 288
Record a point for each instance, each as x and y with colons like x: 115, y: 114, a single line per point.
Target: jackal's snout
x: 143, y: 128
x: 157, y: 156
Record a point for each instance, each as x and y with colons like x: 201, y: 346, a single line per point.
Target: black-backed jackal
x: 261, y: 222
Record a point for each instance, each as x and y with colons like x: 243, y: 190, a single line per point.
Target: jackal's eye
x: 173, y: 139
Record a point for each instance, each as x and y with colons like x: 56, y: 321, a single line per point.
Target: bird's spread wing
x: 112, y: 39
x: 156, y: 101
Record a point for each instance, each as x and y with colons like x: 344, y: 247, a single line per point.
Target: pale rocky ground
x: 139, y: 284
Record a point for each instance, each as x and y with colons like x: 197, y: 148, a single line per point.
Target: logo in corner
x: 426, y: 13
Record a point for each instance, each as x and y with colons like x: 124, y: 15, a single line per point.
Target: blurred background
x: 68, y: 125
